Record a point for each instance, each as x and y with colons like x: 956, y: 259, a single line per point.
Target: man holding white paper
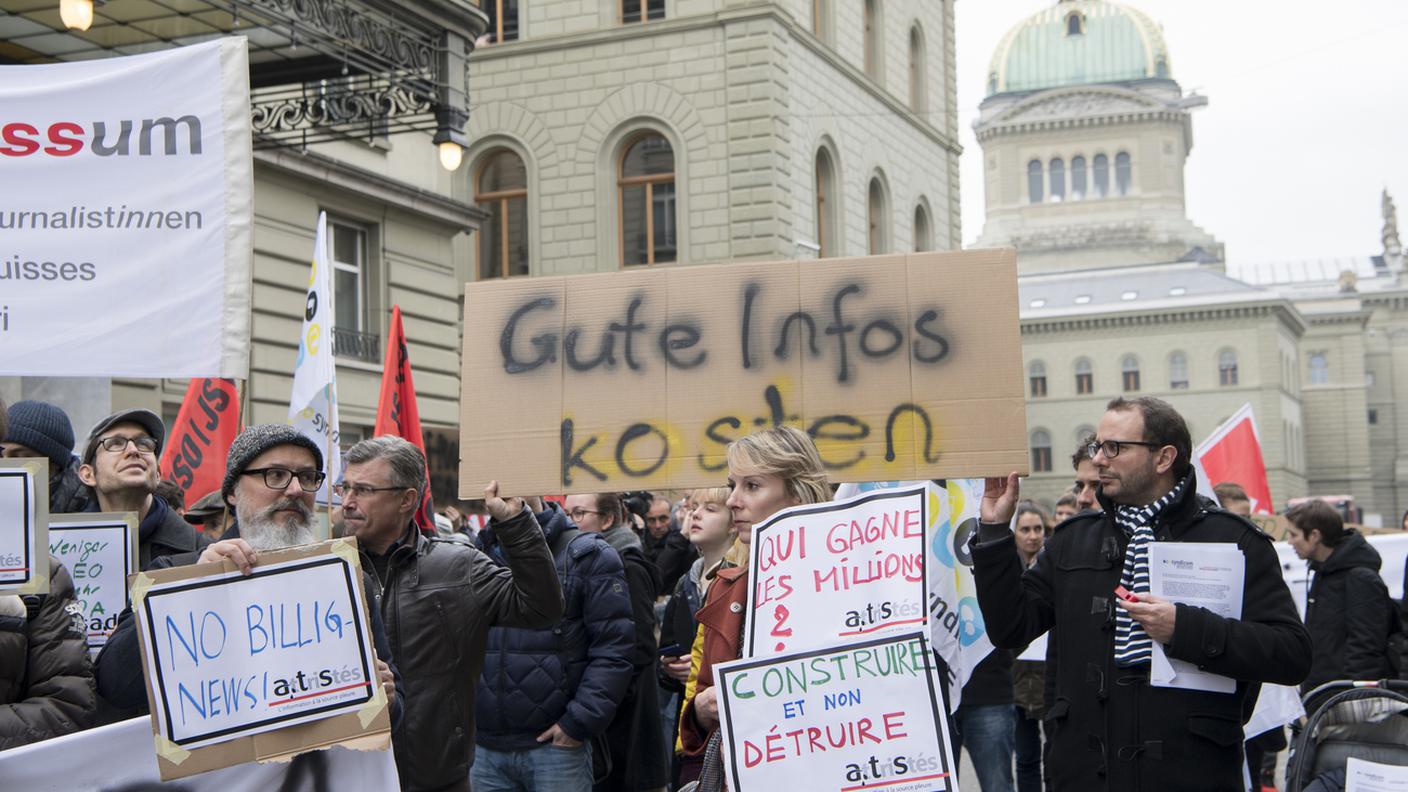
x: 1109, y: 726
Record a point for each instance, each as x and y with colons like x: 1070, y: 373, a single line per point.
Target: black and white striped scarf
x: 1132, y: 644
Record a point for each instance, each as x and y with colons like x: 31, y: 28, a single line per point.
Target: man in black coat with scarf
x: 1108, y: 728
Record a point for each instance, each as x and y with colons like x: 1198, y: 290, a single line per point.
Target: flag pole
x: 327, y: 464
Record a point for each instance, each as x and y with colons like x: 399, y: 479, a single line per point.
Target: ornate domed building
x: 1085, y: 133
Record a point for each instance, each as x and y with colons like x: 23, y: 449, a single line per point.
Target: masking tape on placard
x: 373, y: 708
x: 346, y: 549
x: 140, y: 584
x: 170, y: 751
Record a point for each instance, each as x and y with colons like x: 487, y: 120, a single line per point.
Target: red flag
x: 199, y: 442
x: 396, y: 412
x: 1233, y: 453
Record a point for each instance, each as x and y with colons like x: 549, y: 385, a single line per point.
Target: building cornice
x: 615, y: 35
x: 986, y: 132
x: 1150, y: 318
x: 373, y: 186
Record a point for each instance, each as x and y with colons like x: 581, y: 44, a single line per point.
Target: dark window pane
x: 630, y: 10
x: 633, y: 239
x: 655, y: 9
x: 1077, y: 178
x: 1058, y: 179
x: 663, y: 219
x: 650, y: 155
x: 491, y: 241
x: 347, y: 244
x: 1102, y: 176
x: 1034, y: 186
x: 517, y: 236
x: 1122, y: 173
x: 503, y: 171
x: 345, y: 297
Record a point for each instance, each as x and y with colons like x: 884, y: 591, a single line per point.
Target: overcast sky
x: 1307, y: 117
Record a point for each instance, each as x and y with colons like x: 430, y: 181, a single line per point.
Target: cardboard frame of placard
x: 24, y: 526
x: 900, y: 367
x: 360, y: 719
x: 99, y: 550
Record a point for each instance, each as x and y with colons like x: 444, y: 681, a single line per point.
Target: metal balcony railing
x: 365, y: 347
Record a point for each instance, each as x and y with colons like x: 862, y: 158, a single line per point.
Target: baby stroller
x: 1367, y: 720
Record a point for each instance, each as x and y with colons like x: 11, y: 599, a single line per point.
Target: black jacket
x: 440, y: 597
x: 677, y: 626
x: 671, y: 554
x: 634, y: 737
x: 163, y: 532
x: 1348, y: 613
x: 1107, y: 728
x: 68, y: 493
x: 573, y: 673
x: 46, y: 679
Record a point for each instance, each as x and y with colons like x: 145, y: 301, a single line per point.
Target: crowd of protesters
x: 583, y: 632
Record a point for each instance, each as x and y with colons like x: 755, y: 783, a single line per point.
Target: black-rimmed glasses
x: 276, y: 478
x: 118, y: 443
x: 1112, y: 447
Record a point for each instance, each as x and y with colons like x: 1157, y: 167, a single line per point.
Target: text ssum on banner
x: 230, y: 655
x: 838, y: 571
x: 99, y: 551
x: 900, y: 367
x: 844, y: 718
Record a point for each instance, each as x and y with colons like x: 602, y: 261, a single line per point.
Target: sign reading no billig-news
x: 127, y: 202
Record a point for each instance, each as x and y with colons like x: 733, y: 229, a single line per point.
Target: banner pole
x: 327, y: 462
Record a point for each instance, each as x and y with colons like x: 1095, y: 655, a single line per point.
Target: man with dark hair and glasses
x: 271, y: 475
x: 1087, y: 483
x: 440, y: 597
x: 119, y: 464
x: 1108, y: 727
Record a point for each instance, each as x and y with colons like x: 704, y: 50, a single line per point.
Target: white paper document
x: 1365, y: 776
x: 1204, y: 574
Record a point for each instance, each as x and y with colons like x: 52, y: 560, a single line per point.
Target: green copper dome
x: 1078, y: 42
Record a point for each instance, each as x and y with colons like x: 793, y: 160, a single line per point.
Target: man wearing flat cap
x: 271, y: 476
x: 210, y: 515
x: 120, y: 466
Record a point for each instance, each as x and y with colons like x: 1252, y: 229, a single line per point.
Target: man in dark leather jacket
x: 439, y: 598
x: 1107, y: 727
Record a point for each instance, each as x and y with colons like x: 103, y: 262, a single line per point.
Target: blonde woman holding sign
x: 768, y: 471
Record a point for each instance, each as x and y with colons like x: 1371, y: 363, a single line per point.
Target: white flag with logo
x: 312, y: 408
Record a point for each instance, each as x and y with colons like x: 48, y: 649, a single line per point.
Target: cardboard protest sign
x: 956, y: 625
x: 128, y: 196
x: 24, y: 526
x: 839, y: 571
x: 858, y: 716
x: 99, y: 550
x: 241, y: 669
x: 900, y: 367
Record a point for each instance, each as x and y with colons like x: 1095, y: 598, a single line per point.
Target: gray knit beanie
x: 42, y: 426
x: 254, y: 441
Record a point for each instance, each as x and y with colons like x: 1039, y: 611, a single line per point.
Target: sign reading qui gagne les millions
x: 126, y: 215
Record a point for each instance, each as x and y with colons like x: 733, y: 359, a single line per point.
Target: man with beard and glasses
x: 1108, y: 727
x: 271, y: 476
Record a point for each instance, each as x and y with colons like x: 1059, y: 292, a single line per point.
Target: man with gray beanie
x: 39, y: 430
x: 271, y: 476
x: 120, y: 466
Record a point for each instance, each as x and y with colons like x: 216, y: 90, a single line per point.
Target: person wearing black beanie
x: 39, y: 430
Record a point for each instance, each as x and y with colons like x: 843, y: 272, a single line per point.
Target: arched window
x: 646, y: 195
x: 878, y: 212
x: 1041, y: 451
x: 1075, y: 25
x: 1077, y: 178
x: 1036, y: 375
x: 923, y: 236
x: 503, y: 19
x: 1227, y: 367
x: 1319, y: 369
x: 1102, y: 176
x: 871, y: 39
x: 1058, y: 179
x: 916, y: 70
x: 1034, y: 186
x: 1122, y: 177
x: 501, y: 190
x: 1129, y: 373
x: 1178, y: 371
x: 825, y: 204
x: 1085, y: 377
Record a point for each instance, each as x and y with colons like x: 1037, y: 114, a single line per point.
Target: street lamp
x: 76, y: 14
